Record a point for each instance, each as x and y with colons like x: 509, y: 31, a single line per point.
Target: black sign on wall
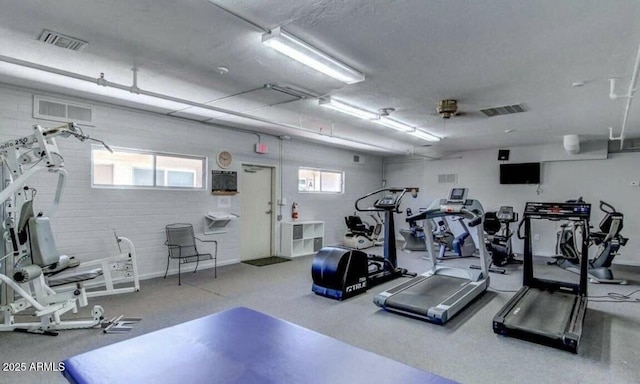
x: 224, y: 182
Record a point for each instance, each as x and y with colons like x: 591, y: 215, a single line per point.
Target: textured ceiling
x: 414, y: 53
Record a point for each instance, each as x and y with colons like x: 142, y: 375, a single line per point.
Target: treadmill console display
x: 557, y: 210
x: 457, y: 195
x: 505, y: 214
x: 388, y: 201
x: 451, y: 208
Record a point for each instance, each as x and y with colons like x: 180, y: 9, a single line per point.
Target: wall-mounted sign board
x: 224, y: 182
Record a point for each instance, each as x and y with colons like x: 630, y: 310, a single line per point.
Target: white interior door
x: 256, y: 212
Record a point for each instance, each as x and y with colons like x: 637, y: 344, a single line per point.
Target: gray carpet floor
x: 465, y: 349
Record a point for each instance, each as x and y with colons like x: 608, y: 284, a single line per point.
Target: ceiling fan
x: 449, y: 108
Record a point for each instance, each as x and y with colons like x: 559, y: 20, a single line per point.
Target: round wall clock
x: 224, y: 159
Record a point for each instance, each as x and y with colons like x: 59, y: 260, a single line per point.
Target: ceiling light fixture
x: 160, y: 103
x: 346, y: 108
x: 424, y: 135
x: 398, y: 126
x: 339, y: 106
x: 287, y: 44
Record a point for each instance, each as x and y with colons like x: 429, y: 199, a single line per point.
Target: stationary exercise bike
x: 498, y: 238
x: 496, y: 225
x: 414, y: 237
x: 360, y: 235
x: 608, y: 239
x: 340, y: 273
x: 452, y: 246
x: 442, y: 236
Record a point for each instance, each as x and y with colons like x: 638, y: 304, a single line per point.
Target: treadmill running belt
x: 426, y: 294
x: 542, y: 312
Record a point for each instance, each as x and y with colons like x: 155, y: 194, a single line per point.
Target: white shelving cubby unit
x: 302, y: 238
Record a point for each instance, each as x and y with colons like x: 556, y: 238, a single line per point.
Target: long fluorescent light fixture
x: 287, y: 44
x: 398, y: 126
x: 424, y: 135
x: 346, y: 108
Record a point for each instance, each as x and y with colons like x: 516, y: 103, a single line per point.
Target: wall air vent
x: 504, y: 110
x: 61, y: 110
x: 447, y: 178
x: 358, y: 159
x: 62, y: 41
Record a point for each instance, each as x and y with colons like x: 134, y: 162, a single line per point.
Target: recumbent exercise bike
x: 608, y: 239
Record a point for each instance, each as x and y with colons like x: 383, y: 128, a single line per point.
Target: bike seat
x: 598, y: 237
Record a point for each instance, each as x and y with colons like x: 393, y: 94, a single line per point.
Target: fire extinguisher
x: 294, y: 211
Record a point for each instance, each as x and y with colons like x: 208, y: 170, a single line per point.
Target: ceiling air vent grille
x: 62, y: 41
x: 447, y: 178
x: 62, y: 110
x: 504, y: 110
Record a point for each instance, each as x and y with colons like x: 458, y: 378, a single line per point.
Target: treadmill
x: 438, y: 294
x: 543, y: 311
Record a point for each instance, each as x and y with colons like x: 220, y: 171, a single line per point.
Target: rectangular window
x: 318, y: 180
x: 130, y: 168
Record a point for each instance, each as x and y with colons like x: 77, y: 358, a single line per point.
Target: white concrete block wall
x: 330, y: 208
x: 86, y: 218
x: 594, y: 180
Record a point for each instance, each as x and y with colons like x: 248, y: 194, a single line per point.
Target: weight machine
x: 32, y: 264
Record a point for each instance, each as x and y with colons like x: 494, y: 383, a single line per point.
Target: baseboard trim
x: 174, y: 271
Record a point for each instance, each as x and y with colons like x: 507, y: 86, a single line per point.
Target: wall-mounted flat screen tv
x: 522, y: 173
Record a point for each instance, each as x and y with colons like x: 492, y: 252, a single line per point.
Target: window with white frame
x: 131, y: 168
x: 320, y: 180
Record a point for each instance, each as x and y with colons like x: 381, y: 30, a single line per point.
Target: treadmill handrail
x: 473, y: 217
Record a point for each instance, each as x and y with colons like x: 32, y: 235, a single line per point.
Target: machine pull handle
x: 477, y: 220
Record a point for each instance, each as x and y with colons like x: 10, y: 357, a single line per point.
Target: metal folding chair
x: 181, y: 244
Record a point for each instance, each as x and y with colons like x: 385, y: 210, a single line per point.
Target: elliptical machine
x: 340, y: 273
x: 608, y: 239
